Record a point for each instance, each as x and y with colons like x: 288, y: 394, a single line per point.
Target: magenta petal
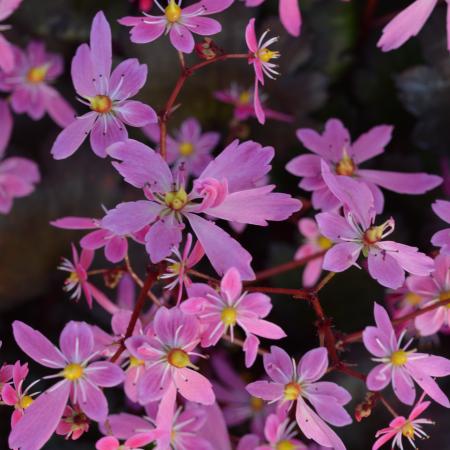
x: 104, y: 374
x: 371, y: 144
x: 385, y: 269
x: 116, y: 249
x: 6, y: 55
x: 107, y: 130
x: 127, y: 79
x: 40, y: 419
x: 221, y: 249
x: 71, y: 138
x: 290, y: 16
x: 107, y: 443
x: 231, y: 284
x: 37, y: 346
x: 378, y: 378
x: 6, y: 125
x: 403, y: 386
x: 278, y: 365
x: 76, y: 341
x: 58, y: 108
x: 203, y: 25
x: 162, y: 238
x: 209, y: 6
x: 330, y: 410
x: 442, y: 209
x: 194, y: 386
x: 124, y: 425
x: 262, y: 328
x: 250, y: 348
x: 74, y: 223
x: 250, y: 36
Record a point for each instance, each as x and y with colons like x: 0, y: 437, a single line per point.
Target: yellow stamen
x: 413, y: 299
x: 373, y: 235
x: 265, y: 55
x: 408, y: 430
x: 37, y: 75
x: 256, y: 404
x: 73, y: 372
x: 178, y: 358
x: 324, y: 243
x: 174, y: 268
x: 229, y: 316
x: 346, y: 166
x: 25, y: 402
x: 73, y: 278
x: 101, y: 104
x: 186, y: 149
x: 173, y: 12
x: 445, y: 295
x: 399, y: 358
x: 292, y: 391
x: 285, y: 445
x: 244, y: 98
x: 135, y: 362
x: 176, y: 199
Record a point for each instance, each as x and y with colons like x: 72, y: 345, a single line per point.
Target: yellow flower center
x: 324, y: 243
x: 73, y: 372
x: 229, y: 316
x: 174, y: 268
x: 244, y: 98
x: 73, y: 278
x: 186, y: 149
x: 101, y: 104
x: 373, y: 235
x: 265, y: 55
x: 25, y: 402
x: 346, y: 166
x: 445, y: 295
x: 399, y: 358
x: 176, y: 200
x: 173, y: 12
x: 413, y: 299
x: 135, y: 362
x: 408, y: 430
x: 285, y: 445
x: 292, y: 391
x: 256, y: 404
x: 37, y: 75
x: 178, y: 358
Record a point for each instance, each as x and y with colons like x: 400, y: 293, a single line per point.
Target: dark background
x: 333, y: 70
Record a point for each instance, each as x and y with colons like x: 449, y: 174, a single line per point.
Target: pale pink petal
x: 202, y: 25
x: 262, y: 328
x: 181, y: 38
x: 136, y: 114
x: 142, y: 33
x: 431, y: 322
x: 6, y: 55
x: 278, y: 365
x: 58, y: 108
x: 265, y: 390
x: 92, y: 401
x: 385, y: 269
x: 104, y: 374
x: 107, y: 130
x: 250, y: 348
x: 406, y: 24
x: 162, y: 238
x: 101, y: 48
x: 6, y: 125
x: 7, y: 7
x: 304, y: 166
x: 107, y: 443
x: 379, y: 377
x: 371, y: 144
x: 71, y: 138
x: 221, y: 249
x: 250, y: 36
x: 74, y: 223
x: 231, y: 284
x: 127, y: 79
x: 341, y: 256
x: 313, y: 364
x: 194, y: 387
x: 37, y: 346
x: 330, y: 410
x: 116, y: 249
x: 76, y: 341
x: 259, y: 110
x: 403, y: 386
x: 40, y: 419
x: 82, y: 72
x: 209, y: 6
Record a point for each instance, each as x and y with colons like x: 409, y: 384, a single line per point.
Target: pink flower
x: 107, y: 95
x: 166, y: 352
x: 189, y: 146
x: 432, y: 289
x: 442, y: 238
x: 7, y: 7
x: 402, y: 366
x: 15, y: 395
x: 30, y: 84
x: 242, y: 100
x: 178, y: 268
x: 401, y: 427
x: 314, y: 243
x: 238, y: 405
x: 137, y: 442
x: 260, y: 57
x: 220, y: 312
x: 179, y: 23
x: 289, y: 11
x: 73, y: 424
x: 299, y: 383
x: 407, y: 24
x: 344, y: 158
x: 82, y: 381
x: 115, y: 245
x: 18, y: 176
x: 355, y: 233
x: 220, y: 192
x: 279, y: 432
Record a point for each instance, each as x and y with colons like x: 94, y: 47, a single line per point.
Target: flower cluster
x: 167, y: 348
